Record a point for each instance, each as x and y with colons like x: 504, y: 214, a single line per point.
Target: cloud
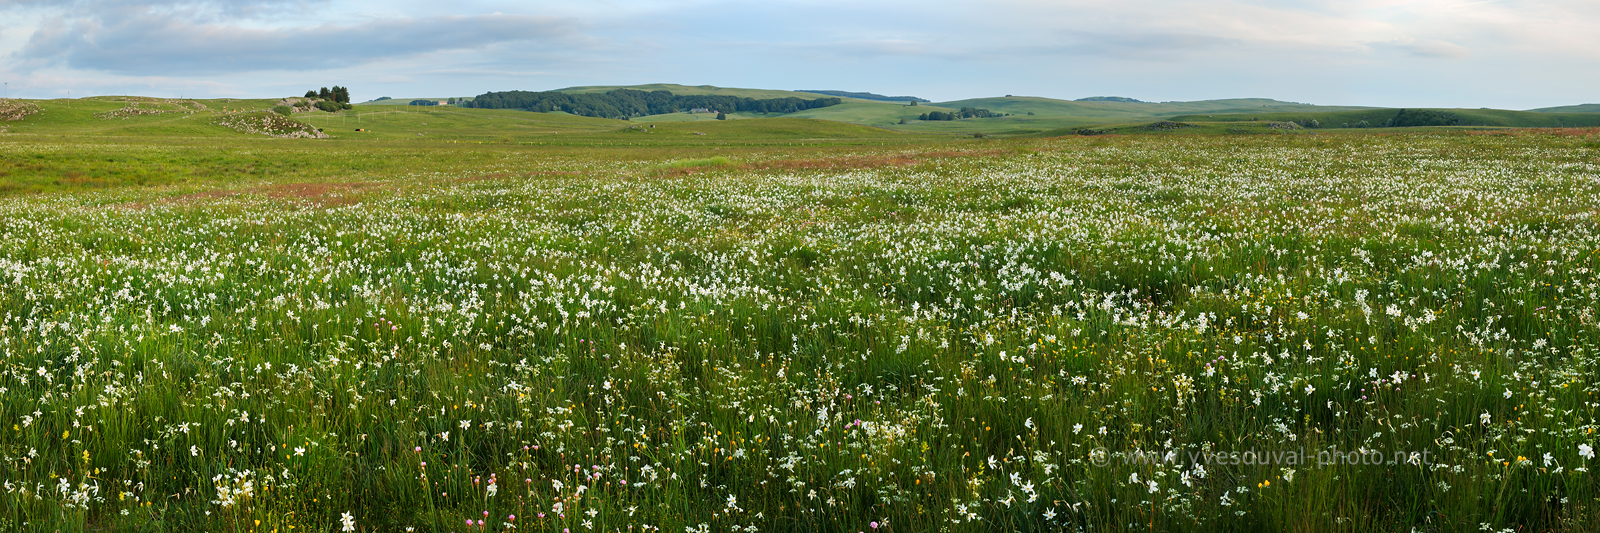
x: 487, y: 72
x: 151, y: 43
x: 1426, y: 48
x: 126, y: 4
x: 1125, y: 46
x: 1133, y: 45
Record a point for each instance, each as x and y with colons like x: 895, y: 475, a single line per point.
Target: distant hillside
x: 407, y: 101
x: 625, y: 103
x: 1380, y: 118
x: 1111, y: 99
x: 709, y: 90
x: 1030, y: 114
x: 1123, y: 111
x: 870, y: 96
x: 1580, y: 108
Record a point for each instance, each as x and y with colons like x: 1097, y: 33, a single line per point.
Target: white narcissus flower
x: 349, y: 521
x: 1585, y: 451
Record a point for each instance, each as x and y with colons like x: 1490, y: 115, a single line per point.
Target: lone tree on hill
x: 722, y: 116
x: 337, y: 95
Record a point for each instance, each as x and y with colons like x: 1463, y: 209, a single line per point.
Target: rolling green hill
x: 1047, y: 113
x: 1580, y: 108
x: 407, y: 101
x: 126, y: 116
x: 759, y: 94
x: 779, y: 127
x: 1379, y: 117
x: 869, y: 96
x: 112, y: 117
x: 1112, y: 110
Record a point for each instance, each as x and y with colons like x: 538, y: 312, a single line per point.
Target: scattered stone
x: 137, y: 105
x: 12, y: 109
x: 271, y: 124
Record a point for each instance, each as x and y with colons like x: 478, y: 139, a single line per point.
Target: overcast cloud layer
x: 1514, y: 54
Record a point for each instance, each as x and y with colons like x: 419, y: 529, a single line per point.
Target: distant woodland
x: 870, y: 96
x: 624, y: 103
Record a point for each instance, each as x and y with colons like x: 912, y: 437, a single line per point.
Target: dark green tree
x: 325, y: 94
x: 311, y: 94
x: 722, y: 116
x: 1424, y: 117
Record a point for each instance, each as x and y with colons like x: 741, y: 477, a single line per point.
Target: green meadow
x: 1377, y: 117
x: 464, y: 320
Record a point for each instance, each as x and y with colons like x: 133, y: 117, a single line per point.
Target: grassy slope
x: 78, y: 118
x: 1376, y: 117
x: 407, y: 101
x: 1580, y: 108
x: 1049, y: 113
x: 1052, y: 115
x: 66, y: 147
x: 779, y: 127
x: 702, y: 89
x: 1049, y: 106
x: 1189, y: 128
x: 871, y: 113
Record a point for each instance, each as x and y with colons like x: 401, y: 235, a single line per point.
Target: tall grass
x: 718, y: 161
x: 1047, y: 339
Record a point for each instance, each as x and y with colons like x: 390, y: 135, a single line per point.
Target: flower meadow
x: 1304, y: 333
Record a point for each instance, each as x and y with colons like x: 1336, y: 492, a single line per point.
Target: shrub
x: 282, y: 110
x: 1424, y: 117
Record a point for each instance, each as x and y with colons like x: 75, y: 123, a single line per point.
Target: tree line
x: 332, y: 100
x: 965, y: 112
x: 1404, y: 118
x: 1423, y: 117
x: 337, y: 94
x: 624, y: 103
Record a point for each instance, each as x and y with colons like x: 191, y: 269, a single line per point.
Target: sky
x: 1505, y: 54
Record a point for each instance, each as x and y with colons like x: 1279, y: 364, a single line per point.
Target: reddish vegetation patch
x: 202, y: 195
x: 324, y: 194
